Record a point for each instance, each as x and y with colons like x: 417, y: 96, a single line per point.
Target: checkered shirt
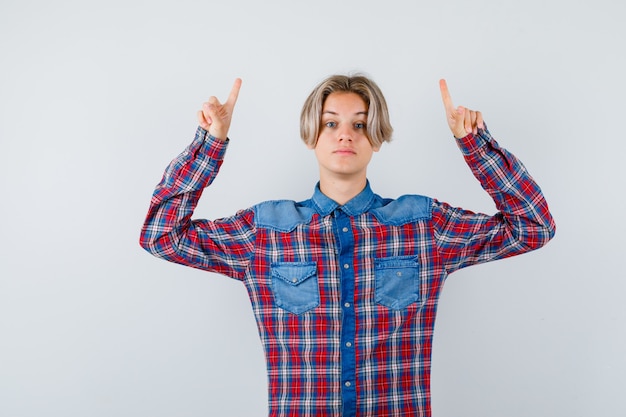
x: 345, y: 296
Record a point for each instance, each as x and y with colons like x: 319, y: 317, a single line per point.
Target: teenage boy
x: 344, y: 286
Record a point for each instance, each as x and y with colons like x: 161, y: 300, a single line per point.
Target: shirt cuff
x: 212, y: 146
x: 472, y: 143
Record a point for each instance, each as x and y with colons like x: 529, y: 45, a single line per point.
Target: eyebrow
x: 336, y: 114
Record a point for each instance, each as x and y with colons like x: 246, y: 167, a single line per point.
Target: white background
x: 97, y: 97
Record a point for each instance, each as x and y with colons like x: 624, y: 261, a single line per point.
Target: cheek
x: 322, y: 140
x: 316, y: 142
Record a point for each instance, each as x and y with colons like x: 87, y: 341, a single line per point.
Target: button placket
x: 346, y: 259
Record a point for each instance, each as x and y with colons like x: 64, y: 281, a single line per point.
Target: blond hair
x: 378, y: 127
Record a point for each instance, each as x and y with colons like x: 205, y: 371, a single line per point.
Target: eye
x: 359, y: 125
x: 330, y: 124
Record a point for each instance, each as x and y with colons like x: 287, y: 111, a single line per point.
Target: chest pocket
x: 295, y: 286
x: 397, y: 282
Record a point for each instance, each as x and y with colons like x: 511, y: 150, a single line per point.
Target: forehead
x: 344, y: 102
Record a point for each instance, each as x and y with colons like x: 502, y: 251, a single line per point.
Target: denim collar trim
x: 359, y: 204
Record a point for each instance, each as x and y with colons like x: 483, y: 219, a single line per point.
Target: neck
x: 342, y: 191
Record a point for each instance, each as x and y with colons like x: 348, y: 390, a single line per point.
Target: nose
x: 344, y: 135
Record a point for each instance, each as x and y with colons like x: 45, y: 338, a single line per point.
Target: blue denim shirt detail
x: 286, y: 215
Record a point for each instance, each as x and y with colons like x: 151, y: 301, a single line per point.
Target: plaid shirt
x: 345, y: 296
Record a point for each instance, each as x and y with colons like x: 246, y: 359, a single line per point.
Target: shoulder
x: 405, y: 209
x: 282, y: 215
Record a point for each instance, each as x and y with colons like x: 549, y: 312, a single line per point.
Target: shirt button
x: 345, y: 229
x: 346, y: 266
x: 348, y: 384
x: 347, y: 305
x: 348, y: 344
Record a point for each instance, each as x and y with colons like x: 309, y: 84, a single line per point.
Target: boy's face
x: 343, y: 148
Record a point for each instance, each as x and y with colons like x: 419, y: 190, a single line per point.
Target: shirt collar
x: 359, y: 204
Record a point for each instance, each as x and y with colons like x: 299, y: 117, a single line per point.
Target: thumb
x: 458, y: 122
x: 215, y: 115
x: 203, y: 121
x: 211, y: 110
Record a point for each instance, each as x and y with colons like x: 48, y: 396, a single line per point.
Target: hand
x: 461, y: 121
x: 216, y: 117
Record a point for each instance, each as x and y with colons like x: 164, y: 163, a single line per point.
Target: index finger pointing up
x: 234, y: 92
x: 445, y: 95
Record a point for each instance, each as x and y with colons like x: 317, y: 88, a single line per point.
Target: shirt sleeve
x: 523, y: 221
x: 224, y: 246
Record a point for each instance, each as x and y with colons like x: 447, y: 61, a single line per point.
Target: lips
x: 345, y: 151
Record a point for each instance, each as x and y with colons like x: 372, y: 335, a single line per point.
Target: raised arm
x: 169, y: 232
x: 523, y: 221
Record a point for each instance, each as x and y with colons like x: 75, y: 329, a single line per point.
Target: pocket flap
x: 396, y: 262
x: 294, y: 273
